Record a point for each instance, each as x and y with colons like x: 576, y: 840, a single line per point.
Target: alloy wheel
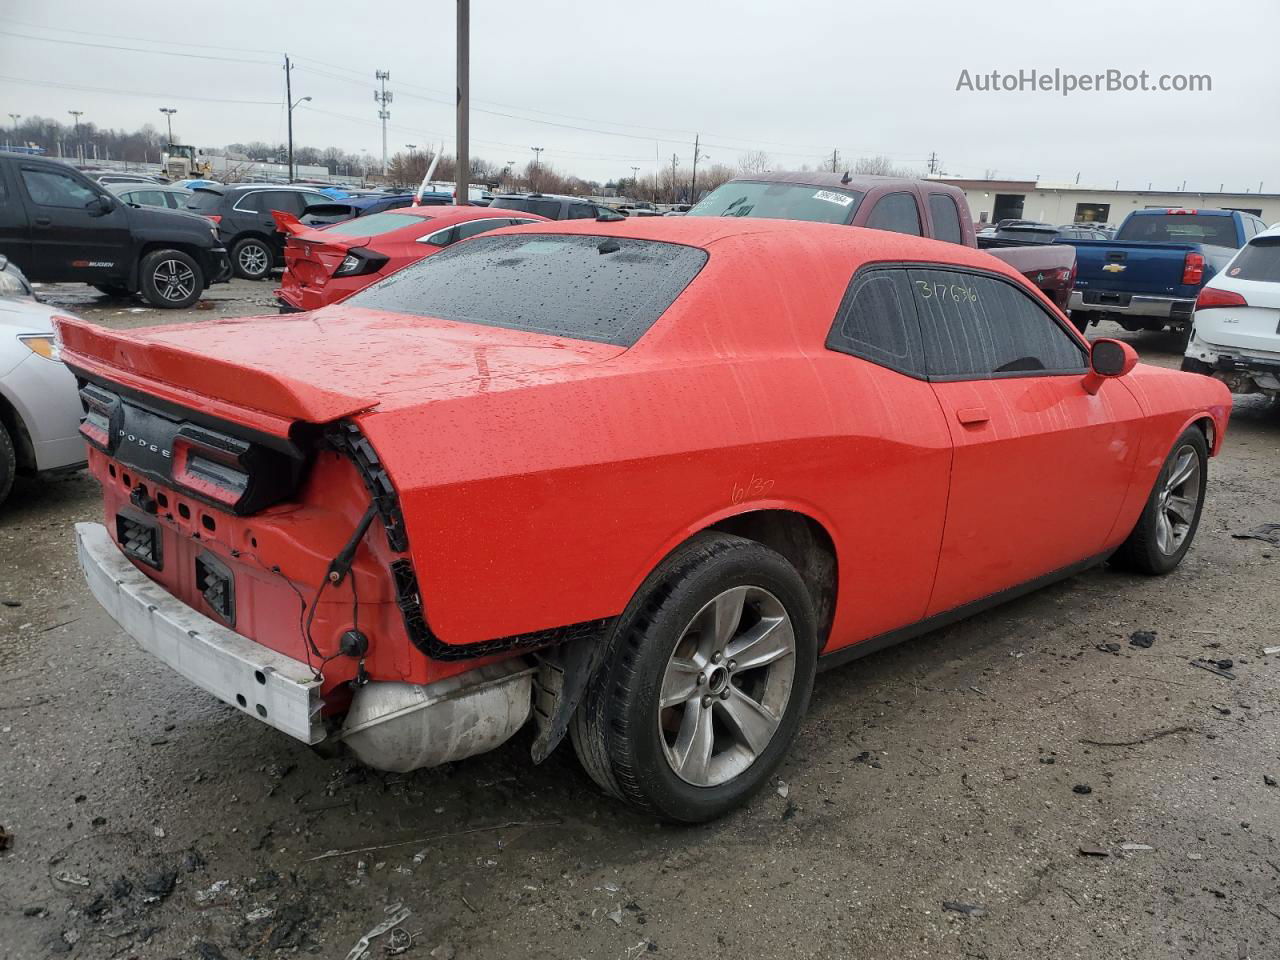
x: 726, y: 686
x: 253, y: 259
x: 173, y: 280
x: 1178, y: 500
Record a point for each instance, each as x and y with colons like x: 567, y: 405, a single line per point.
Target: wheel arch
x: 24, y: 450
x: 799, y: 535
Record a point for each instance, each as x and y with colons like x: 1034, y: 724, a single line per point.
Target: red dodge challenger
x: 635, y: 479
x: 325, y: 264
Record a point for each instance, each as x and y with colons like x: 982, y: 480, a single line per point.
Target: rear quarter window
x: 604, y: 289
x: 1257, y: 260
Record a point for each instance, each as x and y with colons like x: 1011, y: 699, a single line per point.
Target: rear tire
x: 1081, y: 319
x: 1192, y: 365
x: 251, y: 259
x: 731, y: 710
x: 1171, y: 517
x: 170, y: 279
x: 8, y: 463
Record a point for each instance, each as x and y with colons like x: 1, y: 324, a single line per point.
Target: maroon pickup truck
x: 922, y: 208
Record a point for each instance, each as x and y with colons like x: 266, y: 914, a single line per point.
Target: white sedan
x: 1235, y: 334
x: 39, y: 403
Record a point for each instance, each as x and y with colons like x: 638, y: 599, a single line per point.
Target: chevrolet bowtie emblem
x: 1114, y: 267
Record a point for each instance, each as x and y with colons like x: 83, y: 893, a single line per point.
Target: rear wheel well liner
x: 805, y: 544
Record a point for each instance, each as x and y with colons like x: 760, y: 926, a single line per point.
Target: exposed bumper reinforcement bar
x: 278, y: 690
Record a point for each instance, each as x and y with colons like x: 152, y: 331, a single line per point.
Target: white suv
x: 1235, y: 335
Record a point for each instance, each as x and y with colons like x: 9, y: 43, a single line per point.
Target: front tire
x: 170, y: 279
x: 1171, y: 517
x: 8, y: 463
x: 251, y: 259
x: 705, y: 680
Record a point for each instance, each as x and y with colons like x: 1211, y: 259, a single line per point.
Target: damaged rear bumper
x: 278, y: 690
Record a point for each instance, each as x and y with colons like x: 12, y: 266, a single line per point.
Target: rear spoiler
x: 261, y: 399
x: 287, y: 223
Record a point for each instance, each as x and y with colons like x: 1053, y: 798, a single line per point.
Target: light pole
x: 168, y: 119
x: 292, y: 107
x: 635, y: 179
x: 462, y: 129
x: 537, y: 166
x: 77, y: 114
x: 15, y: 117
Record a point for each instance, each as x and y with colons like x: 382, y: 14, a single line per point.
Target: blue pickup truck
x: 1149, y: 276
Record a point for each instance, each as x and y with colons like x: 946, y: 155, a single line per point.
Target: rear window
x: 785, y: 201
x: 374, y: 225
x: 545, y: 208
x: 605, y: 289
x: 1258, y: 260
x: 204, y: 200
x: 1180, y: 228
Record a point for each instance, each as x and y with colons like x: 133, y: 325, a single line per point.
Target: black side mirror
x: 100, y: 205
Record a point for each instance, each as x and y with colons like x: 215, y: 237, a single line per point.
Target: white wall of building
x: 1057, y: 205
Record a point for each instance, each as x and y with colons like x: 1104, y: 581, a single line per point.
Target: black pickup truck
x: 59, y: 226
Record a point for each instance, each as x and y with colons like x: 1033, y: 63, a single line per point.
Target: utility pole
x: 288, y: 102
x: 382, y: 99
x: 933, y: 162
x: 77, y: 114
x: 635, y: 179
x: 168, y: 119
x: 15, y: 117
x: 462, y: 162
x: 537, y: 167
x: 835, y: 160
x: 693, y: 185
x: 674, y: 161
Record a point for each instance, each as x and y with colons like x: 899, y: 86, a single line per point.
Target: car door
x: 15, y: 231
x: 1041, y: 466
x: 73, y: 237
x: 890, y: 455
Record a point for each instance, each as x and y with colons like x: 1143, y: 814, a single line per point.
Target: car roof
x: 855, y: 244
x: 539, y: 196
x: 1271, y: 232
x: 145, y: 185
x: 1198, y: 211
x: 845, y: 181
x: 235, y: 187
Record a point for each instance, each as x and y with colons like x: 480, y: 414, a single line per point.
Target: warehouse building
x: 993, y: 200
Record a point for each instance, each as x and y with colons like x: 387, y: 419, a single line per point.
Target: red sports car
x: 634, y: 479
x: 325, y: 264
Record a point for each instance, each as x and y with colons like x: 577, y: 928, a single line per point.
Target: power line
x: 135, y: 93
x: 120, y: 36
x: 109, y: 46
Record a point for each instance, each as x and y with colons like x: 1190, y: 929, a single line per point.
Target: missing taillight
x: 139, y: 539
x: 217, y: 586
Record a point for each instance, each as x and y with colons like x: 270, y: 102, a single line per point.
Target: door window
x: 473, y: 227
x: 946, y: 218
x: 977, y: 327
x: 581, y: 211
x: 48, y: 188
x: 896, y: 212
x: 877, y: 322
x: 148, y: 198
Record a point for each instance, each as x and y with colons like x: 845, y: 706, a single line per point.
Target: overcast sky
x: 796, y: 79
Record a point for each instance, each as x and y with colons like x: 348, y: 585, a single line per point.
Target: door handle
x: 971, y: 416
x: 43, y: 221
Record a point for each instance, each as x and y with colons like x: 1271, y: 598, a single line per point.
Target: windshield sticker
x: 837, y: 198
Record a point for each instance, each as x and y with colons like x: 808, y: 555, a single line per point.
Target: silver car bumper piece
x: 278, y: 690
x: 1138, y: 306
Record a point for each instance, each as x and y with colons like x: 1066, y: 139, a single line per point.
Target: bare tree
x: 754, y: 161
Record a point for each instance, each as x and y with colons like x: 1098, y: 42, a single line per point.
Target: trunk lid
x: 269, y: 372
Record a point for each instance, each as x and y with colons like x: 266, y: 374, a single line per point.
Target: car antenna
x: 846, y: 178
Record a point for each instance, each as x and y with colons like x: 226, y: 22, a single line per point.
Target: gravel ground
x: 148, y: 820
